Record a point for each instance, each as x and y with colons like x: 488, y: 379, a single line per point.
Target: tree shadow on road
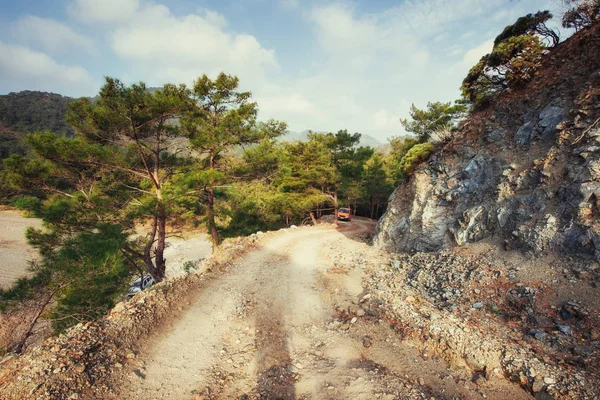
x: 274, y: 379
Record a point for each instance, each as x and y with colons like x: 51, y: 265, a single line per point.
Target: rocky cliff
x: 524, y: 172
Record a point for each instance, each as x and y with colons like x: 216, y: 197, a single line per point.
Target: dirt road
x: 15, y: 253
x: 289, y: 321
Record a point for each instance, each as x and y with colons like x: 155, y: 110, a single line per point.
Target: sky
x: 316, y: 64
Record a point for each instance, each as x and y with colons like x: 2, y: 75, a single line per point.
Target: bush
x: 583, y: 14
x: 415, y: 156
x: 190, y: 266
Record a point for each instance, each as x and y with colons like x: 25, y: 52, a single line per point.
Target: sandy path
x: 15, y: 253
x: 280, y: 325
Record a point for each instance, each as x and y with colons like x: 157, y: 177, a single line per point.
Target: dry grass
x: 12, y: 328
x: 14, y: 324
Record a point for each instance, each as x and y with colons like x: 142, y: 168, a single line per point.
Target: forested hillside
x: 28, y: 112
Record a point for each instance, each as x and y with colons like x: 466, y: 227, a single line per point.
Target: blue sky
x: 321, y: 65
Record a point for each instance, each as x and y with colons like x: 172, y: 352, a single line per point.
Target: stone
x: 538, y: 386
x: 477, y: 306
x: 584, y: 350
x: 525, y: 133
x: 550, y: 117
x: 566, y: 329
x: 360, y: 312
x: 549, y: 381
x: 474, y: 363
x: 538, y: 334
x: 497, y: 135
x: 366, y: 342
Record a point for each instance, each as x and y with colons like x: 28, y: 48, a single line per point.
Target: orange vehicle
x: 345, y: 214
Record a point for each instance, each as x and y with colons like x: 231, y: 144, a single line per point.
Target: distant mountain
x: 30, y: 111
x: 365, y: 140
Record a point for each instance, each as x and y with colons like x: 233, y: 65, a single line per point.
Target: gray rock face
x: 529, y: 176
x: 550, y: 117
x: 525, y: 133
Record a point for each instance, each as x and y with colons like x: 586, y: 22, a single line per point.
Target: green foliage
x: 27, y: 112
x: 513, y: 61
x: 582, y: 14
x: 222, y: 117
x: 190, y: 266
x: 437, y: 116
x: 530, y: 24
x: 376, y: 184
x: 24, y: 288
x: 415, y: 156
x: 30, y: 111
x: 91, y: 272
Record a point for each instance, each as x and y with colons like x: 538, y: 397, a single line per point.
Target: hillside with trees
x: 28, y: 112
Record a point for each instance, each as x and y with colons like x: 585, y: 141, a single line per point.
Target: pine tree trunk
x: 214, y: 235
x: 148, y: 248
x: 211, y: 219
x: 159, y: 260
x: 312, y: 217
x: 335, y: 204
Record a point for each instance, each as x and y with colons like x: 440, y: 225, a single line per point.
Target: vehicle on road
x: 140, y: 284
x: 344, y: 214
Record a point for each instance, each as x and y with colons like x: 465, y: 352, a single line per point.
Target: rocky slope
x: 524, y: 173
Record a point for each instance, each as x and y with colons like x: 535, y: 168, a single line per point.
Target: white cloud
x: 473, y: 56
x: 290, y: 105
x: 371, y: 67
x: 384, y: 121
x: 163, y: 47
x: 53, y: 36
x: 105, y: 11
x: 22, y: 68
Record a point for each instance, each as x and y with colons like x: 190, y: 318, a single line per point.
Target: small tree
x: 512, y: 61
x: 375, y: 184
x: 583, y: 13
x: 415, y: 156
x: 222, y: 117
x: 530, y: 24
x: 435, y: 117
x: 348, y: 159
x: 140, y: 127
x: 310, y: 177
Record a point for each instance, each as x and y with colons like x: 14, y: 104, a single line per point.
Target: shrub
x: 190, y: 266
x: 415, y: 156
x: 583, y: 14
